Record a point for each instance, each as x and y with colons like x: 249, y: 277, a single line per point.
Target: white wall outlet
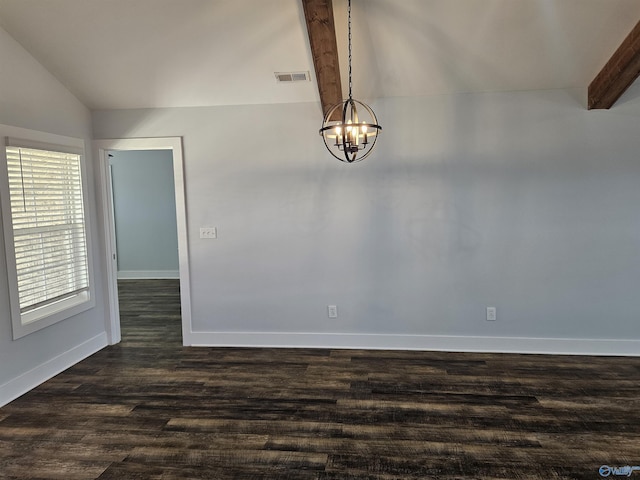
x: 491, y: 314
x: 332, y: 311
x: 208, y: 232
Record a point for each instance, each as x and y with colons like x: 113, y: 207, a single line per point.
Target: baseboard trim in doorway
x: 20, y: 385
x: 152, y: 274
x: 555, y: 346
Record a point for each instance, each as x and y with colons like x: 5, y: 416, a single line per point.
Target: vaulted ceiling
x: 168, y: 53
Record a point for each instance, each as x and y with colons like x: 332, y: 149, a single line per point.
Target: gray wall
x: 524, y: 201
x: 32, y: 98
x: 145, y: 213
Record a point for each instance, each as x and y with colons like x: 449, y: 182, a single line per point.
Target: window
x: 47, y: 240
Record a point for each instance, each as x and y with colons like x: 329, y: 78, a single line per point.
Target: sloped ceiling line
x: 622, y: 69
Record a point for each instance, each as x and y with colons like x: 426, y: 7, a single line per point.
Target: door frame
x: 101, y: 149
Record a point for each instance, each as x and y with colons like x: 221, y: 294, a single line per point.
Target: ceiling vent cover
x: 288, y: 77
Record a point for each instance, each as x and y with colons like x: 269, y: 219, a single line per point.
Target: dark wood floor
x: 149, y: 408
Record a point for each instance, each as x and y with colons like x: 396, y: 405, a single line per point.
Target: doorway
x: 102, y: 149
x: 144, y: 213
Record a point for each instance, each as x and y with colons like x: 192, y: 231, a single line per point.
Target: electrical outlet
x: 332, y: 311
x: 491, y: 314
x: 208, y: 232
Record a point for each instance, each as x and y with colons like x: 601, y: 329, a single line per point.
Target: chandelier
x: 350, y: 128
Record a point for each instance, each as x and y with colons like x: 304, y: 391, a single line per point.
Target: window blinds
x: 47, y: 212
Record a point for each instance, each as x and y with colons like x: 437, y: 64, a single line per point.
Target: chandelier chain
x: 350, y: 96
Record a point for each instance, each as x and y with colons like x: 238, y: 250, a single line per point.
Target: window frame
x: 32, y: 321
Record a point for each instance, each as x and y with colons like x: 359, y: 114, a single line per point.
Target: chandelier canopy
x: 350, y: 128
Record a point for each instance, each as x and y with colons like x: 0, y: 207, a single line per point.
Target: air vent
x: 286, y: 77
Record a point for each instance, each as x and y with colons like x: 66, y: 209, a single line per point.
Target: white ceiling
x: 167, y: 53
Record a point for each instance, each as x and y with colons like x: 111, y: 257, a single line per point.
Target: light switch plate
x: 208, y: 232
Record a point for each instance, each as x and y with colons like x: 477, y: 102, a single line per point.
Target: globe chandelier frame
x: 351, y: 136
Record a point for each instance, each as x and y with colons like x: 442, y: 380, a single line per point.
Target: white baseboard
x: 555, y: 346
x: 40, y: 374
x: 140, y: 274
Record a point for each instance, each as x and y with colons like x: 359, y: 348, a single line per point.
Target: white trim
x: 159, y: 274
x: 20, y: 385
x: 48, y: 313
x: 75, y: 148
x: 106, y: 207
x: 554, y: 346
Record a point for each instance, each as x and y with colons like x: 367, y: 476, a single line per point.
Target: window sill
x: 40, y: 318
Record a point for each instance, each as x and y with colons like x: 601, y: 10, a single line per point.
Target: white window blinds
x: 47, y: 212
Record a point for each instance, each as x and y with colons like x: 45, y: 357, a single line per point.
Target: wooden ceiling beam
x: 324, y: 50
x: 622, y: 69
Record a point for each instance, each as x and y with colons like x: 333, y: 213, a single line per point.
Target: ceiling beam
x: 618, y: 74
x: 324, y: 50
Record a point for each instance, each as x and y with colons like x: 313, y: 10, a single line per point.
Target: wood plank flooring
x: 149, y: 408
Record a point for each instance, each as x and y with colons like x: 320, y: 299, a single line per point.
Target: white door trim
x: 101, y: 147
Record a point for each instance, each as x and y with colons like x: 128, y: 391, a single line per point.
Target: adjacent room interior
x: 462, y: 303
